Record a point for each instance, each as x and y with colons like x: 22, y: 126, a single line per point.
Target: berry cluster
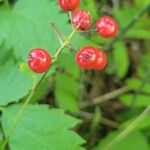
x: 88, y: 57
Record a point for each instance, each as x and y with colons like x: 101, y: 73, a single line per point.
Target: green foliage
x: 14, y: 85
x: 141, y: 27
x: 121, y: 59
x: 135, y: 84
x: 141, y: 100
x: 41, y: 128
x: 143, y: 125
x: 21, y: 22
x: 134, y: 140
x: 67, y: 85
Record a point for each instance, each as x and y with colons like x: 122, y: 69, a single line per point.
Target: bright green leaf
x: 141, y: 100
x: 137, y: 84
x: 66, y: 92
x: 120, y: 55
x: 41, y: 128
x: 27, y: 26
x: 14, y: 85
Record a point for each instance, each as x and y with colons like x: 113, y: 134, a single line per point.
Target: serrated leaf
x: 141, y: 100
x: 29, y: 22
x: 134, y: 140
x: 120, y: 55
x: 41, y: 128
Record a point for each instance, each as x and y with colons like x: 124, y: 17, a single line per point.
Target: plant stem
x: 18, y: 117
x: 124, y: 30
x: 129, y: 129
x: 106, y: 97
x: 20, y: 113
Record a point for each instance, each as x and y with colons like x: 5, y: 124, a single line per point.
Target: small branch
x: 70, y: 18
x: 103, y: 120
x: 131, y: 24
x: 60, y: 36
x: 129, y: 129
x: 106, y: 97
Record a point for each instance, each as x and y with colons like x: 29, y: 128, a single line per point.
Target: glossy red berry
x: 86, y: 57
x: 69, y: 5
x: 107, y: 27
x: 81, y: 20
x: 39, y: 60
x: 101, y: 60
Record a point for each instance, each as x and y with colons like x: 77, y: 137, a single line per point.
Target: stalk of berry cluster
x: 20, y: 113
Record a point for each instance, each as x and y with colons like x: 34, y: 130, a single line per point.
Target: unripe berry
x: 86, y: 57
x: 39, y: 60
x: 107, y: 27
x: 81, y: 20
x: 69, y: 5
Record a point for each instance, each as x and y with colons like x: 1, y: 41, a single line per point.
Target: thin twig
x: 61, y: 37
x: 106, y: 97
x: 129, y: 129
x: 103, y: 120
x: 124, y: 30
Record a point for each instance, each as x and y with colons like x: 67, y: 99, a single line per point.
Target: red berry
x: 81, y: 19
x: 69, y: 5
x: 101, y: 60
x: 86, y: 57
x: 39, y: 60
x: 107, y: 27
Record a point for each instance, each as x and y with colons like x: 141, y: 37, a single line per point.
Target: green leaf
x: 41, y: 128
x: 141, y: 27
x: 120, y: 55
x: 142, y: 34
x: 68, y: 63
x: 141, y: 100
x: 14, y: 85
x: 137, y: 84
x: 134, y: 140
x: 66, y: 92
x: 29, y: 22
